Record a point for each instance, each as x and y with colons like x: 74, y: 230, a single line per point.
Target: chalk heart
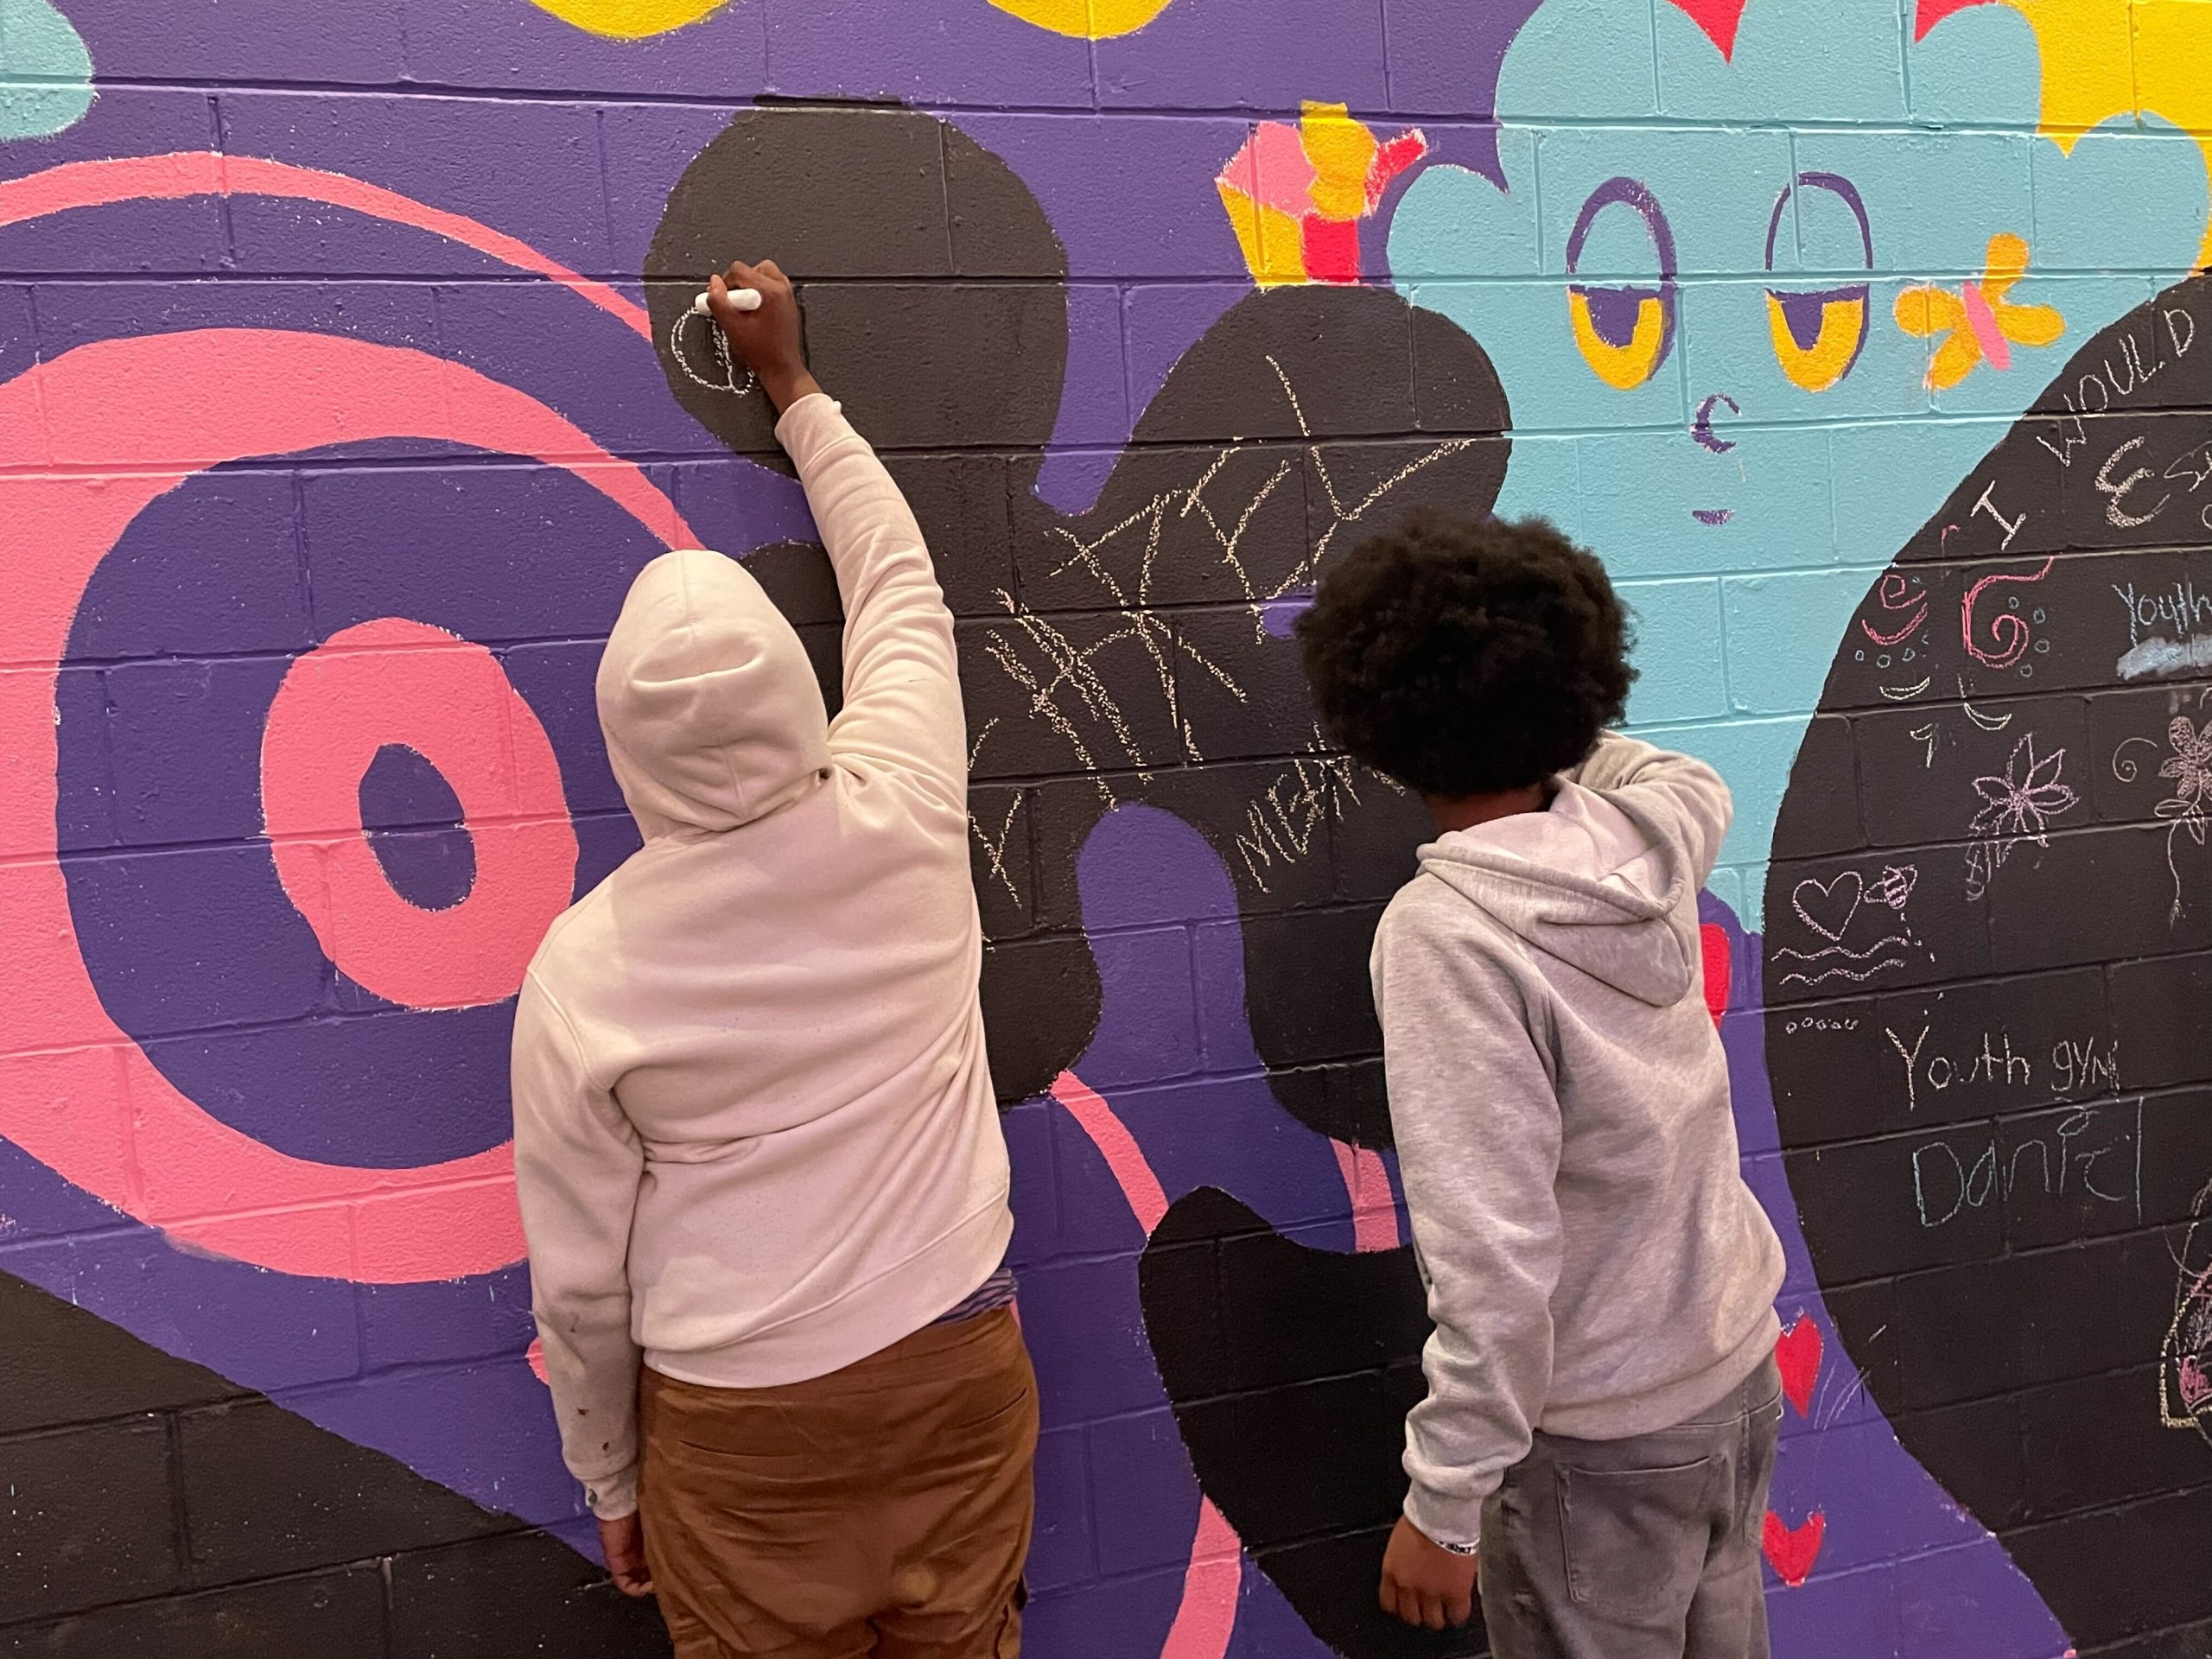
x: 1792, y: 1551
x: 1797, y: 1355
x: 1828, y: 907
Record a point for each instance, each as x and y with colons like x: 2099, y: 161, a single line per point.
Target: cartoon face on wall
x: 1819, y: 254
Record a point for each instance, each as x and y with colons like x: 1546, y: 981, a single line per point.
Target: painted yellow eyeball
x: 1817, y: 335
x: 1623, y: 330
x: 1622, y: 333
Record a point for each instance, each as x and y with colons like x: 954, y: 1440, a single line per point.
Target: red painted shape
x: 1933, y: 12
x: 1717, y: 968
x: 1797, y: 1352
x: 1331, y: 249
x: 1719, y: 19
x: 1792, y: 1551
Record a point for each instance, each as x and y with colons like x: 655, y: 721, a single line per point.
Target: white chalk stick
x: 746, y: 299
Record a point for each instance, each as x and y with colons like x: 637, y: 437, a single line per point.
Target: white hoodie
x: 755, y: 1131
x: 1596, y: 1267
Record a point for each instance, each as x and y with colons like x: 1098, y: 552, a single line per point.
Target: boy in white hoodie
x: 756, y: 1145
x: 1602, y: 1401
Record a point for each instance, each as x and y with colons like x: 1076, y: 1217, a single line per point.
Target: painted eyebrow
x: 1638, y: 196
x: 1835, y: 184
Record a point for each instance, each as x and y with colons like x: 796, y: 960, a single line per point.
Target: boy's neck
x: 1465, y: 811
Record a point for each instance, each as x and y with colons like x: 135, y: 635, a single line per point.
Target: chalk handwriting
x: 2091, y: 1154
x: 2076, y: 1066
x: 2093, y: 393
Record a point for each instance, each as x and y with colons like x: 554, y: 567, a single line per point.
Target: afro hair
x: 1463, y: 657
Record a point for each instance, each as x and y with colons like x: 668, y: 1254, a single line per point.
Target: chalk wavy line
x: 1853, y: 974
x: 184, y: 173
x: 1876, y: 949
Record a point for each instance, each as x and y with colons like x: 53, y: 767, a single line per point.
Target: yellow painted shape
x: 2173, y: 72
x: 1343, y: 153
x: 2102, y: 58
x: 634, y: 20
x: 1090, y: 19
x: 1817, y: 367
x: 1925, y: 311
x: 1622, y: 367
x: 1271, y: 242
x: 629, y: 20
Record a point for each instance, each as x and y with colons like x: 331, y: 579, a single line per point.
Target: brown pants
x: 883, y: 1510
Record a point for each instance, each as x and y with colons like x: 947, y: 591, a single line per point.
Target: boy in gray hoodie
x: 1603, y: 1400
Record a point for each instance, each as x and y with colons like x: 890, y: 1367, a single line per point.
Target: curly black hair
x: 1463, y: 657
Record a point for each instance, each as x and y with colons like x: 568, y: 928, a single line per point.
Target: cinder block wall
x: 344, y: 382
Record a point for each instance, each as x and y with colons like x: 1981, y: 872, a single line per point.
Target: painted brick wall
x: 344, y: 382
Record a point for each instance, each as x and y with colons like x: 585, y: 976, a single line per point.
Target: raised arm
x: 1686, y: 795
x: 902, y: 706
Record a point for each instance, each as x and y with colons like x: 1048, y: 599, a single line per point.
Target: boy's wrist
x: 785, y: 386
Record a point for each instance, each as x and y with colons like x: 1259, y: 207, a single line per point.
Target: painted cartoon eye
x: 1818, y: 334
x: 1624, y: 330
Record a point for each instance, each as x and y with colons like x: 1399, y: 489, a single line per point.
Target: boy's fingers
x: 1461, y: 1609
x: 770, y: 268
x: 1432, y: 1611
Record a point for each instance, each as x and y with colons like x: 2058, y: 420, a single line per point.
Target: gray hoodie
x: 1596, y: 1266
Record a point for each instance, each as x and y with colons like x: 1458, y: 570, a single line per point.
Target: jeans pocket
x: 1634, y: 1540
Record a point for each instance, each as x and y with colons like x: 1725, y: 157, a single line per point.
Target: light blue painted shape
x: 1826, y: 483
x: 46, y: 73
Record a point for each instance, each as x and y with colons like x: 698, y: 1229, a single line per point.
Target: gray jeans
x: 1641, y: 1548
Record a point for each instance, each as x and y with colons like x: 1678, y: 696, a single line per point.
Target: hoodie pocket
x: 1634, y: 1540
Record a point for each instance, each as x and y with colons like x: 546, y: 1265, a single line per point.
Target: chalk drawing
x: 2017, y: 806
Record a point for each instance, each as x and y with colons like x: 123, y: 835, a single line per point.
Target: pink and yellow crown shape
x: 1295, y: 194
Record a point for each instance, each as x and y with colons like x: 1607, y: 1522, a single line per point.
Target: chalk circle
x: 396, y: 681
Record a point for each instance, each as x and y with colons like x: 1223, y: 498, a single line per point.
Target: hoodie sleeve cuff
x: 810, y: 426
x: 1453, y: 1524
x: 611, y: 1496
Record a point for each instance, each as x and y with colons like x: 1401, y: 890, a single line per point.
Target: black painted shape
x: 158, y: 1508
x: 2031, y: 789
x: 414, y: 824
x: 1291, y: 1370
x: 852, y: 204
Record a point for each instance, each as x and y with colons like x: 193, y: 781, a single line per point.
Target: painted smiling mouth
x: 1713, y: 515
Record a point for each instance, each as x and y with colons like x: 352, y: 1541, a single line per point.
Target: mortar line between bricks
x: 891, y: 104
x: 199, y: 1592
x: 179, y: 1511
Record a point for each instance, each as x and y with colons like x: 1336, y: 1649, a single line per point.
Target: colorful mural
x: 347, y: 375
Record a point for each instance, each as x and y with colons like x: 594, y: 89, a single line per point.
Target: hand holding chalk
x: 744, y: 299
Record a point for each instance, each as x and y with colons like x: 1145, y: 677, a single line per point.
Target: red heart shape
x: 1714, y: 944
x: 1797, y: 1353
x: 1792, y: 1551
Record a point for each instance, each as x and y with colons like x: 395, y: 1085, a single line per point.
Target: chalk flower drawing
x: 2016, y: 807
x: 2190, y: 767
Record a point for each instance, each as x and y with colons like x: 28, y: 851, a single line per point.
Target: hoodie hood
x: 1589, y: 881
x: 712, y: 714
